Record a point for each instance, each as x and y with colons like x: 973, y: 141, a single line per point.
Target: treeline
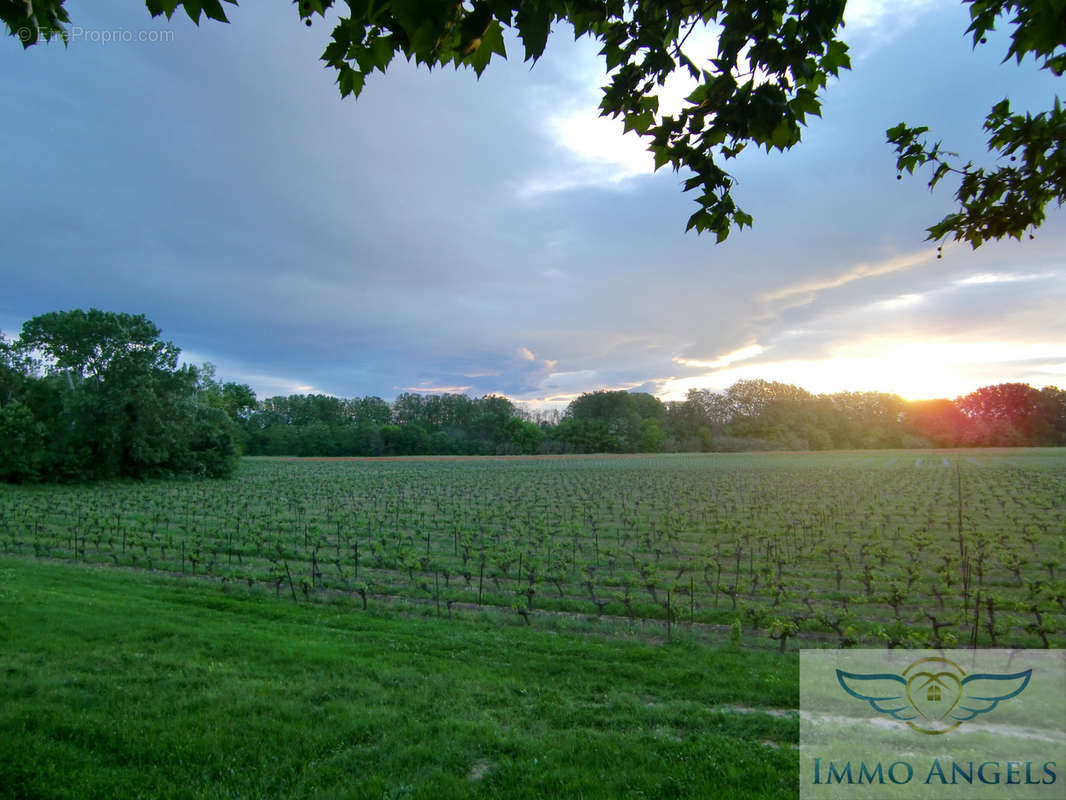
x: 750, y: 415
x: 97, y: 395
x: 757, y: 414
x: 413, y: 424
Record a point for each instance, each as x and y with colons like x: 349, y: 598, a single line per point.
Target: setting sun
x: 915, y: 370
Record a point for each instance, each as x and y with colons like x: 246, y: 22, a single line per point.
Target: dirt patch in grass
x: 478, y: 770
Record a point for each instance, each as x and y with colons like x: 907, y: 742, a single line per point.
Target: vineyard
x: 891, y: 548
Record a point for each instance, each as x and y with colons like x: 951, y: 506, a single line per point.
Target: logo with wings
x: 934, y: 695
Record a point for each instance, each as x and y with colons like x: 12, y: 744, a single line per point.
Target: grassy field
x: 124, y: 684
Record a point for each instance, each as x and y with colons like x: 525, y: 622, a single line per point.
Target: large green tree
x: 773, y: 60
x: 97, y: 394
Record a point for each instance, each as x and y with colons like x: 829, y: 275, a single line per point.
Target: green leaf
x: 213, y: 10
x: 836, y: 57
x: 784, y: 135
x: 698, y: 221
x: 351, y: 82
x: 805, y: 102
x: 491, y: 42
x: 534, y: 23
x: 424, y: 42
x: 940, y: 172
x: 699, y: 94
x: 381, y: 50
x: 406, y: 12
x: 638, y: 122
x: 164, y: 7
x: 896, y: 132
x: 662, y: 156
x: 192, y: 8
x: 612, y: 56
x: 493, y: 39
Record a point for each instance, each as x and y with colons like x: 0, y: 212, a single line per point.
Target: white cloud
x: 599, y: 140
x: 606, y: 155
x: 895, y: 303
x: 808, y: 289
x: 994, y: 277
x: 598, y: 154
x: 573, y: 383
x: 885, y: 14
x: 741, y: 354
x: 426, y: 388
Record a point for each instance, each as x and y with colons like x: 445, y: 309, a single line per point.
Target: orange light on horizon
x: 913, y: 369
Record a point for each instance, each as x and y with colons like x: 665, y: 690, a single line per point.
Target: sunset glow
x: 915, y: 370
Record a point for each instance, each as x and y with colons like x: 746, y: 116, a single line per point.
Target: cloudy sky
x: 447, y: 234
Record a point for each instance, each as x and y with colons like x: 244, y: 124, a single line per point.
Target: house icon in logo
x: 933, y: 695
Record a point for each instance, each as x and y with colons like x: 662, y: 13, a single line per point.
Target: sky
x: 447, y: 234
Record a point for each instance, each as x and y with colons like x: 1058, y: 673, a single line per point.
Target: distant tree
x: 752, y: 398
x: 651, y: 436
x: 404, y: 440
x: 602, y: 405
x: 23, y: 444
x: 408, y: 408
x: 236, y: 400
x: 370, y: 409
x: 363, y: 439
x: 770, y: 410
x: 457, y: 412
x: 584, y: 436
x: 272, y: 411
x: 940, y: 421
x: 647, y: 406
x: 14, y: 369
x: 523, y: 436
x: 305, y: 409
x: 1007, y: 414
x: 493, y: 411
x: 866, y: 419
x: 710, y: 409
x: 1053, y: 409
x: 611, y: 421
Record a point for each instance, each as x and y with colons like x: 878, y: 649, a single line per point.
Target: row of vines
x: 856, y: 549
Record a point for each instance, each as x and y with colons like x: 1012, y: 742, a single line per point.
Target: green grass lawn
x: 115, y: 683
